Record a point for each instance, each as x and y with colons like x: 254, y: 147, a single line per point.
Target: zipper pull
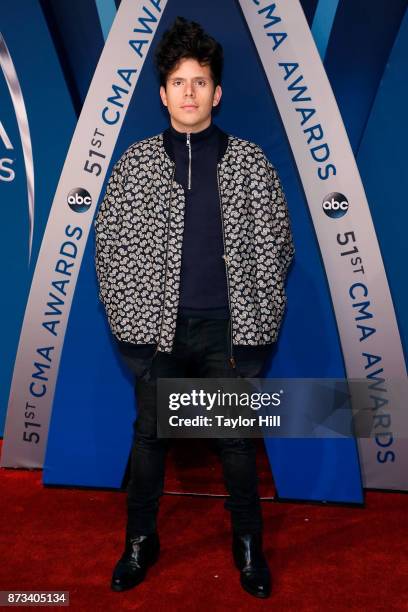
x: 188, y: 143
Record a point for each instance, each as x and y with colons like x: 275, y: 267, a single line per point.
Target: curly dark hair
x: 187, y: 39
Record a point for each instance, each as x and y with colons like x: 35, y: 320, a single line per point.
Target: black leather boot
x: 250, y: 560
x: 140, y: 553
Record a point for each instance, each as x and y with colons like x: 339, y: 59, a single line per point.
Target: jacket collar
x: 195, y: 137
x: 222, y: 140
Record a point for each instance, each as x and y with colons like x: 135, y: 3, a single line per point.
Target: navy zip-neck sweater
x: 203, y: 283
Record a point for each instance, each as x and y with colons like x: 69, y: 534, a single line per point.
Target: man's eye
x: 202, y: 83
x: 176, y: 83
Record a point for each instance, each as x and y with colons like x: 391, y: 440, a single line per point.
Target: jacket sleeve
x: 107, y: 225
x: 280, y: 221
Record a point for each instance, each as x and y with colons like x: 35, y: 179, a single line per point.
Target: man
x: 193, y: 244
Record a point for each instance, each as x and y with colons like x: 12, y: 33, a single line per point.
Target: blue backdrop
x: 90, y: 433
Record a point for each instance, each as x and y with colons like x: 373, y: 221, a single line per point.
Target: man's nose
x: 189, y: 89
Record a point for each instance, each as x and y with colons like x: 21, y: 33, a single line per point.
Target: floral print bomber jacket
x: 139, y: 236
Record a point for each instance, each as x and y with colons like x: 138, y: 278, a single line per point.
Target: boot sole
x: 256, y: 593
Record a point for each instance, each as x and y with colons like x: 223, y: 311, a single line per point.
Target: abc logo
x: 335, y: 205
x: 79, y: 200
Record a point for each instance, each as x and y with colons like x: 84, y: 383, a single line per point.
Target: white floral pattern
x: 139, y: 235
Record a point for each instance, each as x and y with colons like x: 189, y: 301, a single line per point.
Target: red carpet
x: 321, y: 557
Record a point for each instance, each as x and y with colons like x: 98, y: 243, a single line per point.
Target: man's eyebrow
x: 204, y: 78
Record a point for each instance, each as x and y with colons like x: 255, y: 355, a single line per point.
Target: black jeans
x: 201, y: 349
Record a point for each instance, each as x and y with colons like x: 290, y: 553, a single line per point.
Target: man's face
x: 190, y: 96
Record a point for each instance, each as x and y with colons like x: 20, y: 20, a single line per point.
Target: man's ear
x: 217, y: 95
x: 163, y: 95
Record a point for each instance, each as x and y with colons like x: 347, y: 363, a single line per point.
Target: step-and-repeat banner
x: 70, y: 406
x: 37, y: 121
x: 341, y: 216
x: 63, y: 245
